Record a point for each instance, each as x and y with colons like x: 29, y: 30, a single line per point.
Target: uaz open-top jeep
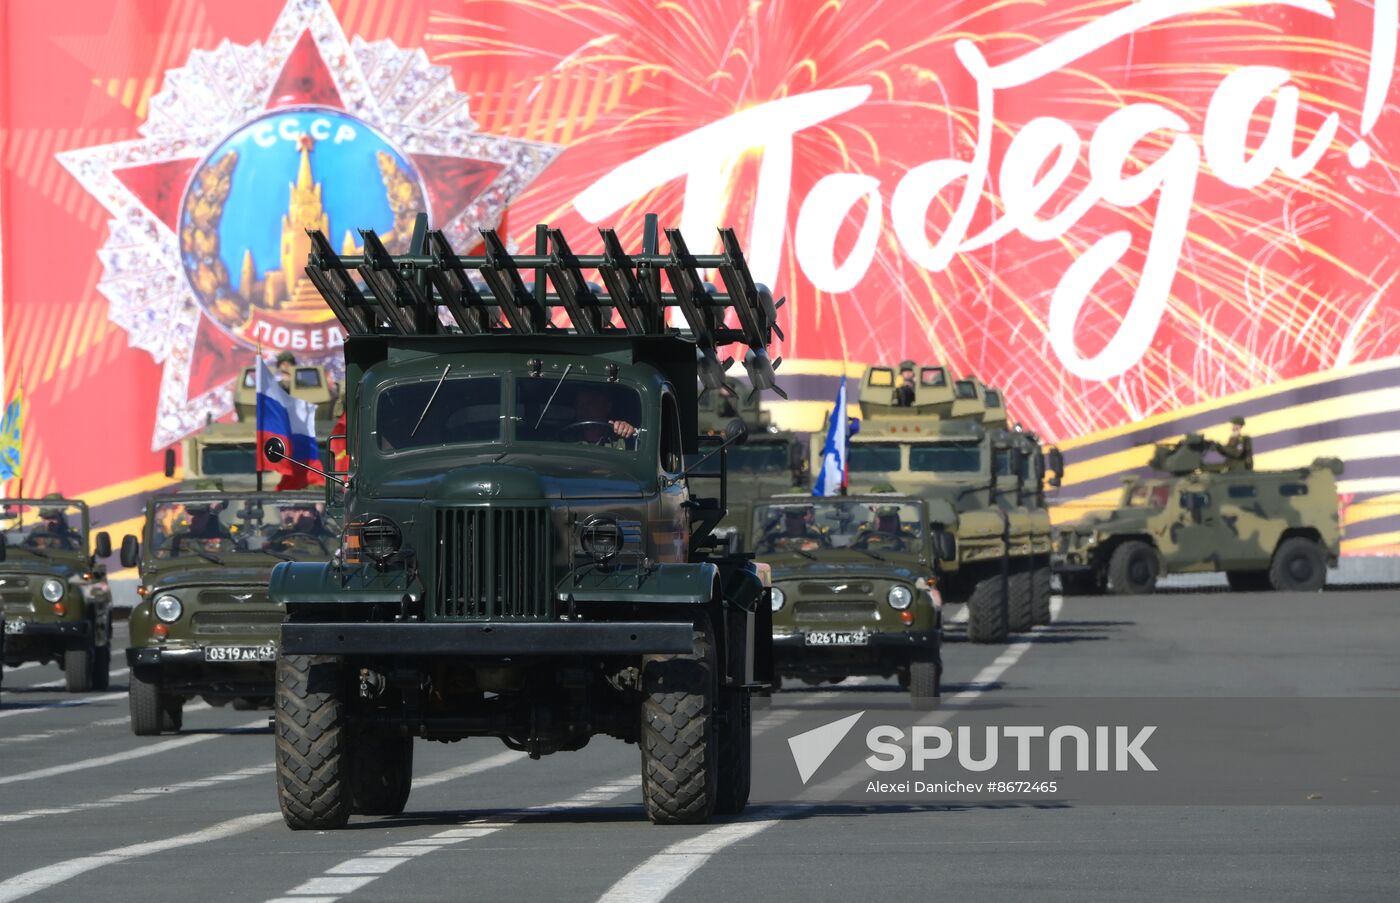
x: 853, y: 588
x: 206, y: 626
x: 57, y: 604
x: 523, y: 558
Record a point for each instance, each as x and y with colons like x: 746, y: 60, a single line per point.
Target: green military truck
x: 853, y: 588
x: 206, y: 626
x: 1278, y: 529
x: 523, y: 558
x: 981, y: 482
x: 771, y: 461
x: 57, y: 604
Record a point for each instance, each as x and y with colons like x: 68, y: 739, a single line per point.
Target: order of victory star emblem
x: 247, y: 147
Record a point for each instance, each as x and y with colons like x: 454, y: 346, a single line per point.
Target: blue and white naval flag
x: 831, y: 476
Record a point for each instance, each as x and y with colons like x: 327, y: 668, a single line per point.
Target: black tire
x: 150, y: 711
x: 1299, y: 565
x: 1132, y: 569
x: 1248, y: 581
x: 382, y: 776
x: 102, y: 667
x: 986, y: 615
x: 925, y: 680
x: 678, y: 735
x: 1019, y: 602
x: 78, y: 667
x: 735, y: 753
x: 1040, y: 596
x: 311, y: 720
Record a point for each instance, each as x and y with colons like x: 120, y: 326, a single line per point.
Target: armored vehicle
x: 853, y: 588
x: 205, y: 625
x: 980, y: 481
x: 1276, y: 528
x: 771, y: 461
x: 523, y: 558
x: 58, y: 607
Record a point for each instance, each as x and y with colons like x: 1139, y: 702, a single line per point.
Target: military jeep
x: 1275, y: 529
x: 523, y: 558
x: 853, y: 588
x: 57, y: 604
x: 205, y: 625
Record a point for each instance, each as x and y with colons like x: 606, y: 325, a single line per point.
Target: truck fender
x: 316, y: 582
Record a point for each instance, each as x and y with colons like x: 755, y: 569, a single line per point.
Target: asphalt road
x: 88, y: 811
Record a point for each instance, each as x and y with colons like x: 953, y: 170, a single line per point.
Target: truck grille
x: 492, y: 563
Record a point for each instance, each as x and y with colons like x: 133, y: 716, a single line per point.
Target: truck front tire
x: 1040, y: 596
x: 312, y: 735
x: 1132, y: 569
x: 735, y: 753
x: 678, y: 734
x: 1020, y: 604
x: 383, y: 774
x: 1299, y: 565
x: 986, y: 616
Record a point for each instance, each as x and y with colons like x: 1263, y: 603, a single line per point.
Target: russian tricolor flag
x: 831, y: 475
x: 294, y: 422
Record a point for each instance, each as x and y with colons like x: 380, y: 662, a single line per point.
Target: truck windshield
x: 757, y: 457
x: 42, y: 526
x: 894, y: 525
x: 1149, y: 496
x: 578, y: 412
x: 283, y: 527
x: 868, y: 457
x: 946, y: 457
x: 462, y: 412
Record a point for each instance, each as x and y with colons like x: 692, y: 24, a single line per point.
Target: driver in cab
x: 796, y: 532
x: 300, y: 522
x: 204, y: 529
x: 886, y: 531
x: 596, y: 426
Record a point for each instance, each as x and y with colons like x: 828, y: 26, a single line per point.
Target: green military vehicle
x: 771, y: 461
x: 206, y: 626
x: 1264, y: 529
x: 523, y: 558
x: 852, y: 588
x: 57, y: 604
x: 938, y: 438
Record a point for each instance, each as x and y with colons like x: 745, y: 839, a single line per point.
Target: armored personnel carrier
x: 1264, y: 529
x: 980, y: 480
x: 523, y: 558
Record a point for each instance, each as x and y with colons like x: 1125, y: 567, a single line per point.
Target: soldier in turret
x: 1238, y: 450
x: 904, y: 392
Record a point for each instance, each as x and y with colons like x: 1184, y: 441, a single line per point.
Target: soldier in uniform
x: 204, y: 526
x: 795, y: 532
x: 1238, y: 451
x: 593, y: 408
x: 886, y: 530
x: 54, y: 533
x: 286, y: 369
x: 904, y: 392
x: 300, y: 522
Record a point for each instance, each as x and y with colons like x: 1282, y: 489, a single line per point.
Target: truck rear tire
x: 1132, y: 569
x: 312, y: 735
x: 735, y: 753
x: 382, y: 776
x: 152, y: 713
x: 1019, y: 602
x: 1299, y: 565
x: 679, y: 736
x: 1040, y: 596
x: 78, y: 667
x: 925, y: 680
x: 986, y: 616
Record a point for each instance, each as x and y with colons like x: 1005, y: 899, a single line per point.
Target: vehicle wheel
x: 102, y: 668
x: 735, y: 752
x: 679, y: 767
x: 150, y: 712
x: 925, y: 679
x: 312, y: 732
x: 1040, y: 596
x: 382, y: 775
x: 1132, y: 569
x: 986, y: 616
x: 1248, y: 581
x: 78, y: 667
x: 1019, y: 602
x: 1299, y: 565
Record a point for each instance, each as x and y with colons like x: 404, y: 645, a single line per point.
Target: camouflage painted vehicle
x: 523, y: 558
x: 206, y: 626
x: 771, y: 461
x: 982, y: 482
x: 57, y: 604
x: 853, y: 588
x: 1275, y: 529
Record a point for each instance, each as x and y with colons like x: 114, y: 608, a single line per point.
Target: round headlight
x: 600, y: 538
x: 168, y: 608
x: 52, y: 590
x: 779, y: 598
x: 380, y: 538
x: 900, y: 597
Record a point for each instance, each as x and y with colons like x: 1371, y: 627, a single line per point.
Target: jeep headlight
x: 51, y: 590
x: 779, y: 599
x: 900, y: 597
x: 168, y: 608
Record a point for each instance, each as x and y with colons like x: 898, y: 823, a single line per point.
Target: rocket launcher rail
x: 404, y: 294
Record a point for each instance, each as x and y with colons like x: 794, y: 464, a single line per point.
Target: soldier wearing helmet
x: 794, y: 531
x: 904, y: 392
x: 887, y: 530
x: 54, y: 532
x: 1238, y: 451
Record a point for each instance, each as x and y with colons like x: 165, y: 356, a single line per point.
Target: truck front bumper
x: 490, y: 639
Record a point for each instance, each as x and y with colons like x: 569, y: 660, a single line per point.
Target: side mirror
x: 1057, y: 466
x: 103, y: 545
x: 131, y: 551
x: 945, y: 546
x: 735, y: 432
x: 274, y: 449
x: 170, y: 462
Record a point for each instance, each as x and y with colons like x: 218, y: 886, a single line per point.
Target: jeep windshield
x: 577, y: 412
x: 209, y: 528
x: 861, y: 524
x: 40, y: 526
x: 946, y: 457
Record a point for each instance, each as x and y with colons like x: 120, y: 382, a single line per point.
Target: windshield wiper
x: 280, y: 555
x: 545, y: 410
x: 208, y: 556
x: 440, y: 381
x: 872, y: 554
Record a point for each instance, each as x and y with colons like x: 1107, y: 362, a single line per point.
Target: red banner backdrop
x: 1111, y: 210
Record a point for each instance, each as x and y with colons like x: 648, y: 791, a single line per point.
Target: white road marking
x: 35, y: 880
x: 137, y: 796
x: 105, y: 722
x: 10, y: 669
x: 656, y: 877
x: 66, y: 704
x: 54, y: 684
x: 124, y: 755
